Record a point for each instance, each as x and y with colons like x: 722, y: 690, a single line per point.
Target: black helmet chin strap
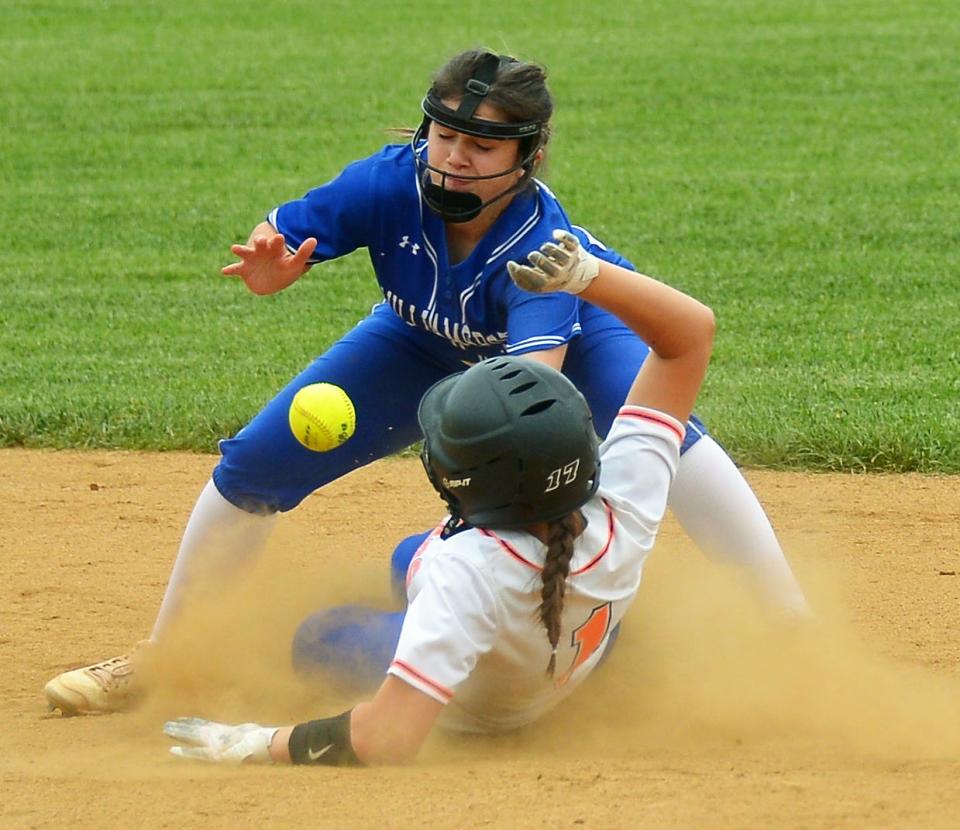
x: 456, y: 206
x: 454, y: 523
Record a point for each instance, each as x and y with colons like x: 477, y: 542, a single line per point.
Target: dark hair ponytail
x: 561, y: 534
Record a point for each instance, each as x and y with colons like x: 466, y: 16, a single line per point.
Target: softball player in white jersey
x: 513, y: 601
x: 471, y: 637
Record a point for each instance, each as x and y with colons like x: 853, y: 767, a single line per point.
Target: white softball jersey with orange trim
x: 472, y: 639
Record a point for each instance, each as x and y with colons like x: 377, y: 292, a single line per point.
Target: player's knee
x: 260, y: 502
x: 351, y: 644
x: 318, y: 638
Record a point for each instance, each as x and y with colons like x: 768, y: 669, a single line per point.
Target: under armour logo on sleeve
x: 414, y: 246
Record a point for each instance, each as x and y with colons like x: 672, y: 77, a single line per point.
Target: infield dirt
x: 708, y: 714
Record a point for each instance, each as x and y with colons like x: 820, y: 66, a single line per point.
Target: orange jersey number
x: 587, y: 638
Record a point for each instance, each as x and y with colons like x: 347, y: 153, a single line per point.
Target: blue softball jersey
x: 473, y: 305
x: 435, y: 318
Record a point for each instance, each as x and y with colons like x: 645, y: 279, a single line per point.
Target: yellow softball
x: 322, y: 417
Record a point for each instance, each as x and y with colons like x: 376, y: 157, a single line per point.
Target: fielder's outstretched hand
x: 208, y: 740
x: 266, y: 266
x: 563, y: 267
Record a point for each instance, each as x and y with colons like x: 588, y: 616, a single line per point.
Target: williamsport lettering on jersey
x: 472, y: 305
x: 457, y: 333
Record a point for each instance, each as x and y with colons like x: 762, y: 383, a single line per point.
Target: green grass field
x: 793, y: 164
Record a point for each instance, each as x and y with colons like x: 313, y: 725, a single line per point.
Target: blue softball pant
x: 385, y: 366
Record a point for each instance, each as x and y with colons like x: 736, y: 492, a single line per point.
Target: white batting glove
x: 208, y: 740
x: 563, y: 267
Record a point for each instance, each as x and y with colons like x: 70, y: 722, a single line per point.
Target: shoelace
x: 113, y: 673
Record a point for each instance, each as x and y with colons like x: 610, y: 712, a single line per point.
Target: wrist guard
x: 324, y: 741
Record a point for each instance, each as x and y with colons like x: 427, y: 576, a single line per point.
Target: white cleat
x: 110, y: 686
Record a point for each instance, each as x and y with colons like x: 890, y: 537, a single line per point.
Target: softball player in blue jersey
x: 440, y: 217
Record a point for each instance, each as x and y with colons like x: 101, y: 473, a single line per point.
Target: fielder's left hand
x: 563, y: 267
x: 208, y: 740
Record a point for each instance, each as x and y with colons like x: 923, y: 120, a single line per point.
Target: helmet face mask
x: 459, y: 206
x: 508, y: 443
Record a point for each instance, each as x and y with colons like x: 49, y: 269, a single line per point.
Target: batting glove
x: 246, y: 743
x: 563, y: 267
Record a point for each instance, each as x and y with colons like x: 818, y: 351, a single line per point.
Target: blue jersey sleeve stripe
x: 590, y: 237
x: 536, y: 343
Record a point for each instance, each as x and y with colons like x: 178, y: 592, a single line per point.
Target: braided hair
x: 561, y: 534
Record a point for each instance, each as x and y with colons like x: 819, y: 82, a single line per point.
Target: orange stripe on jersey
x: 655, y: 417
x: 443, y: 691
x: 510, y: 549
x: 605, y: 548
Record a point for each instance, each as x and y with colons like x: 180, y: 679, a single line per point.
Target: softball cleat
x: 101, y: 688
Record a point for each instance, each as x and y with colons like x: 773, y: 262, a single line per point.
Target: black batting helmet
x: 509, y: 442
